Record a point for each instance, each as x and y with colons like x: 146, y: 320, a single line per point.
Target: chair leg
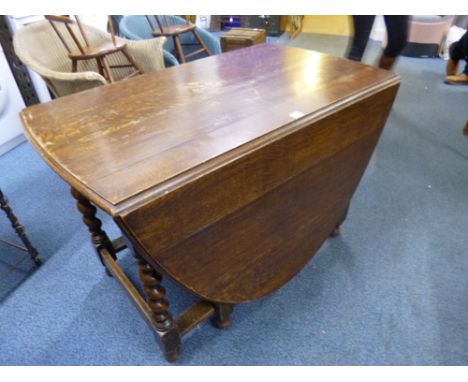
x: 179, y: 50
x: 107, y: 70
x: 74, y: 66
x: 100, y: 68
x: 132, y: 61
x: 200, y: 41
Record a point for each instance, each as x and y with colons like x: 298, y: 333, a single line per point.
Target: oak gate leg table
x: 224, y: 174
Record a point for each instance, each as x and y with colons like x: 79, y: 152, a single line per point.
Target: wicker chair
x: 39, y: 47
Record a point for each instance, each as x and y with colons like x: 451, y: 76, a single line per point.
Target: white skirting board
x: 10, y: 145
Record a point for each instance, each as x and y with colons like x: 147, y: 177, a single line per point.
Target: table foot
x: 222, y: 315
x: 170, y: 344
x: 172, y: 357
x: 337, y: 230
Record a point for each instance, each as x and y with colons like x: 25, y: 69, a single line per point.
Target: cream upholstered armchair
x: 39, y: 48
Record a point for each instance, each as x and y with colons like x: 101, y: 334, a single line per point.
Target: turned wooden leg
x: 19, y: 229
x: 99, y: 66
x: 200, y: 41
x: 99, y: 237
x: 221, y: 318
x: 155, y: 296
x: 337, y: 230
x: 162, y: 320
x: 108, y: 76
x: 132, y: 61
x: 179, y: 50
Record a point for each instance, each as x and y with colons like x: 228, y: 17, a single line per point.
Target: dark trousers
x: 459, y: 51
x: 397, y: 35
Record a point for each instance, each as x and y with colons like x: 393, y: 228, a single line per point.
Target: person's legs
x: 458, y: 51
x: 397, y: 36
x: 362, y: 29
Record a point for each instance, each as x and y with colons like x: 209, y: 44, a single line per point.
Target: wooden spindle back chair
x: 83, y: 50
x: 163, y: 26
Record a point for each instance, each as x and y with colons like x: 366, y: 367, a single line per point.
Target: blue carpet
x: 391, y: 290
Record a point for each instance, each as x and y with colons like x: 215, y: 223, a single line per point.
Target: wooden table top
x: 141, y: 138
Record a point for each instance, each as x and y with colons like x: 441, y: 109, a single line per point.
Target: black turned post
x: 99, y: 237
x: 19, y: 229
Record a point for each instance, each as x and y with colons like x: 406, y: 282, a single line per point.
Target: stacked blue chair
x: 136, y: 27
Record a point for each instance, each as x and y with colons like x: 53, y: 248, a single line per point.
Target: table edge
x: 135, y: 201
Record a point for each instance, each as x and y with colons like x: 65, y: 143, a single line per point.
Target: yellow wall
x: 336, y: 25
